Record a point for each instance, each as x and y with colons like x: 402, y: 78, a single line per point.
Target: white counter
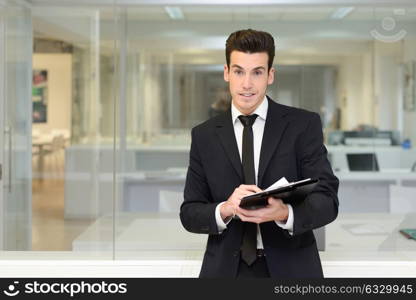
x: 358, y: 245
x: 180, y: 268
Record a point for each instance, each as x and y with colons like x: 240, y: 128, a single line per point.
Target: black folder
x: 291, y: 192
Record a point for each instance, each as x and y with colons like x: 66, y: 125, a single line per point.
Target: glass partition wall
x: 15, y: 59
x: 117, y: 88
x: 57, y: 89
x: 352, y: 65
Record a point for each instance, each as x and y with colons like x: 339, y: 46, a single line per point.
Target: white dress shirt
x: 258, y: 129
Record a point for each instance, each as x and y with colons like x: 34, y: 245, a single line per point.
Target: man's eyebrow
x: 236, y: 66
x: 239, y: 67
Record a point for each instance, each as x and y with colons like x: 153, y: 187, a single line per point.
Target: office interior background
x: 97, y: 99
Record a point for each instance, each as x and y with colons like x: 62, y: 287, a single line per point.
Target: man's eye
x: 238, y: 72
x: 258, y: 73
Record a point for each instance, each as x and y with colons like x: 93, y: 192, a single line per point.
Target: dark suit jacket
x: 292, y: 147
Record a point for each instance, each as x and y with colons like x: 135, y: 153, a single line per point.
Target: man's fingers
x: 257, y: 189
x: 252, y: 188
x: 272, y: 200
x: 242, y: 194
x: 250, y: 219
x: 251, y: 213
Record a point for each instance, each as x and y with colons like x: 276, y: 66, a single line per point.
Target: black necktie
x: 249, y: 244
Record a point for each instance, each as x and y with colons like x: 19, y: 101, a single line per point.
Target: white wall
x: 2, y: 102
x: 355, y: 84
x: 351, y: 98
x: 149, y: 95
x: 356, y: 87
x: 366, y: 107
x: 409, y: 128
x: 59, y: 67
x: 387, y: 60
x: 355, y: 79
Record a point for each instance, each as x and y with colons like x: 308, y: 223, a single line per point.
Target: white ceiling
x: 219, y: 2
x: 301, y: 29
x: 268, y: 13
x: 202, y: 13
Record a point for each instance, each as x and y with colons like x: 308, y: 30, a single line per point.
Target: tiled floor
x: 50, y: 231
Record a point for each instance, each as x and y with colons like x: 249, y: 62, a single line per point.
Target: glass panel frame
x: 17, y: 140
x: 122, y: 150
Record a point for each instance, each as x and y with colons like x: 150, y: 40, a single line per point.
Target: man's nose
x: 247, y: 82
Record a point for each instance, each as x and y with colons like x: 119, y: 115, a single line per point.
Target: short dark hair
x: 250, y: 41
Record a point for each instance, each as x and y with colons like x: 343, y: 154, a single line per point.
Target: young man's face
x: 248, y: 78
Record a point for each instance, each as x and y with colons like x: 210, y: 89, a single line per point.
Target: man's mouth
x: 247, y: 94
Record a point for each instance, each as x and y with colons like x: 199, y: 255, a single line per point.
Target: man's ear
x: 270, y: 78
x: 226, y: 73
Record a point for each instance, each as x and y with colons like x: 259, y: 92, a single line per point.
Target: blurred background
x: 97, y: 100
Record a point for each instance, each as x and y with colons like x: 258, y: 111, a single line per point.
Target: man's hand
x: 229, y: 207
x: 276, y: 210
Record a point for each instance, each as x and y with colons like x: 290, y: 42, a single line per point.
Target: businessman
x: 245, y: 150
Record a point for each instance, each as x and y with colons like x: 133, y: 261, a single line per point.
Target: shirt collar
x: 261, y: 110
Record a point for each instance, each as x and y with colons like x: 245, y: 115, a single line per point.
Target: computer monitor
x: 362, y: 162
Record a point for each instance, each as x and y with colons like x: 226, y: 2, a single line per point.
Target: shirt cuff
x: 289, y: 223
x: 220, y: 223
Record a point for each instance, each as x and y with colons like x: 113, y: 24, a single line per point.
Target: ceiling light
x: 341, y: 12
x: 174, y: 13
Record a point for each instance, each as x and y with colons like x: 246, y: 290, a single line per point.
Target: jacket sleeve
x: 197, y: 212
x: 321, y: 206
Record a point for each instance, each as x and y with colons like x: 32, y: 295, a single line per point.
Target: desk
x: 54, y: 143
x: 368, y: 192
x: 85, y: 165
x: 363, y: 192
x: 40, y: 142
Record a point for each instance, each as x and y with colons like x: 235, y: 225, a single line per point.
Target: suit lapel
x: 225, y: 131
x: 273, y: 131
